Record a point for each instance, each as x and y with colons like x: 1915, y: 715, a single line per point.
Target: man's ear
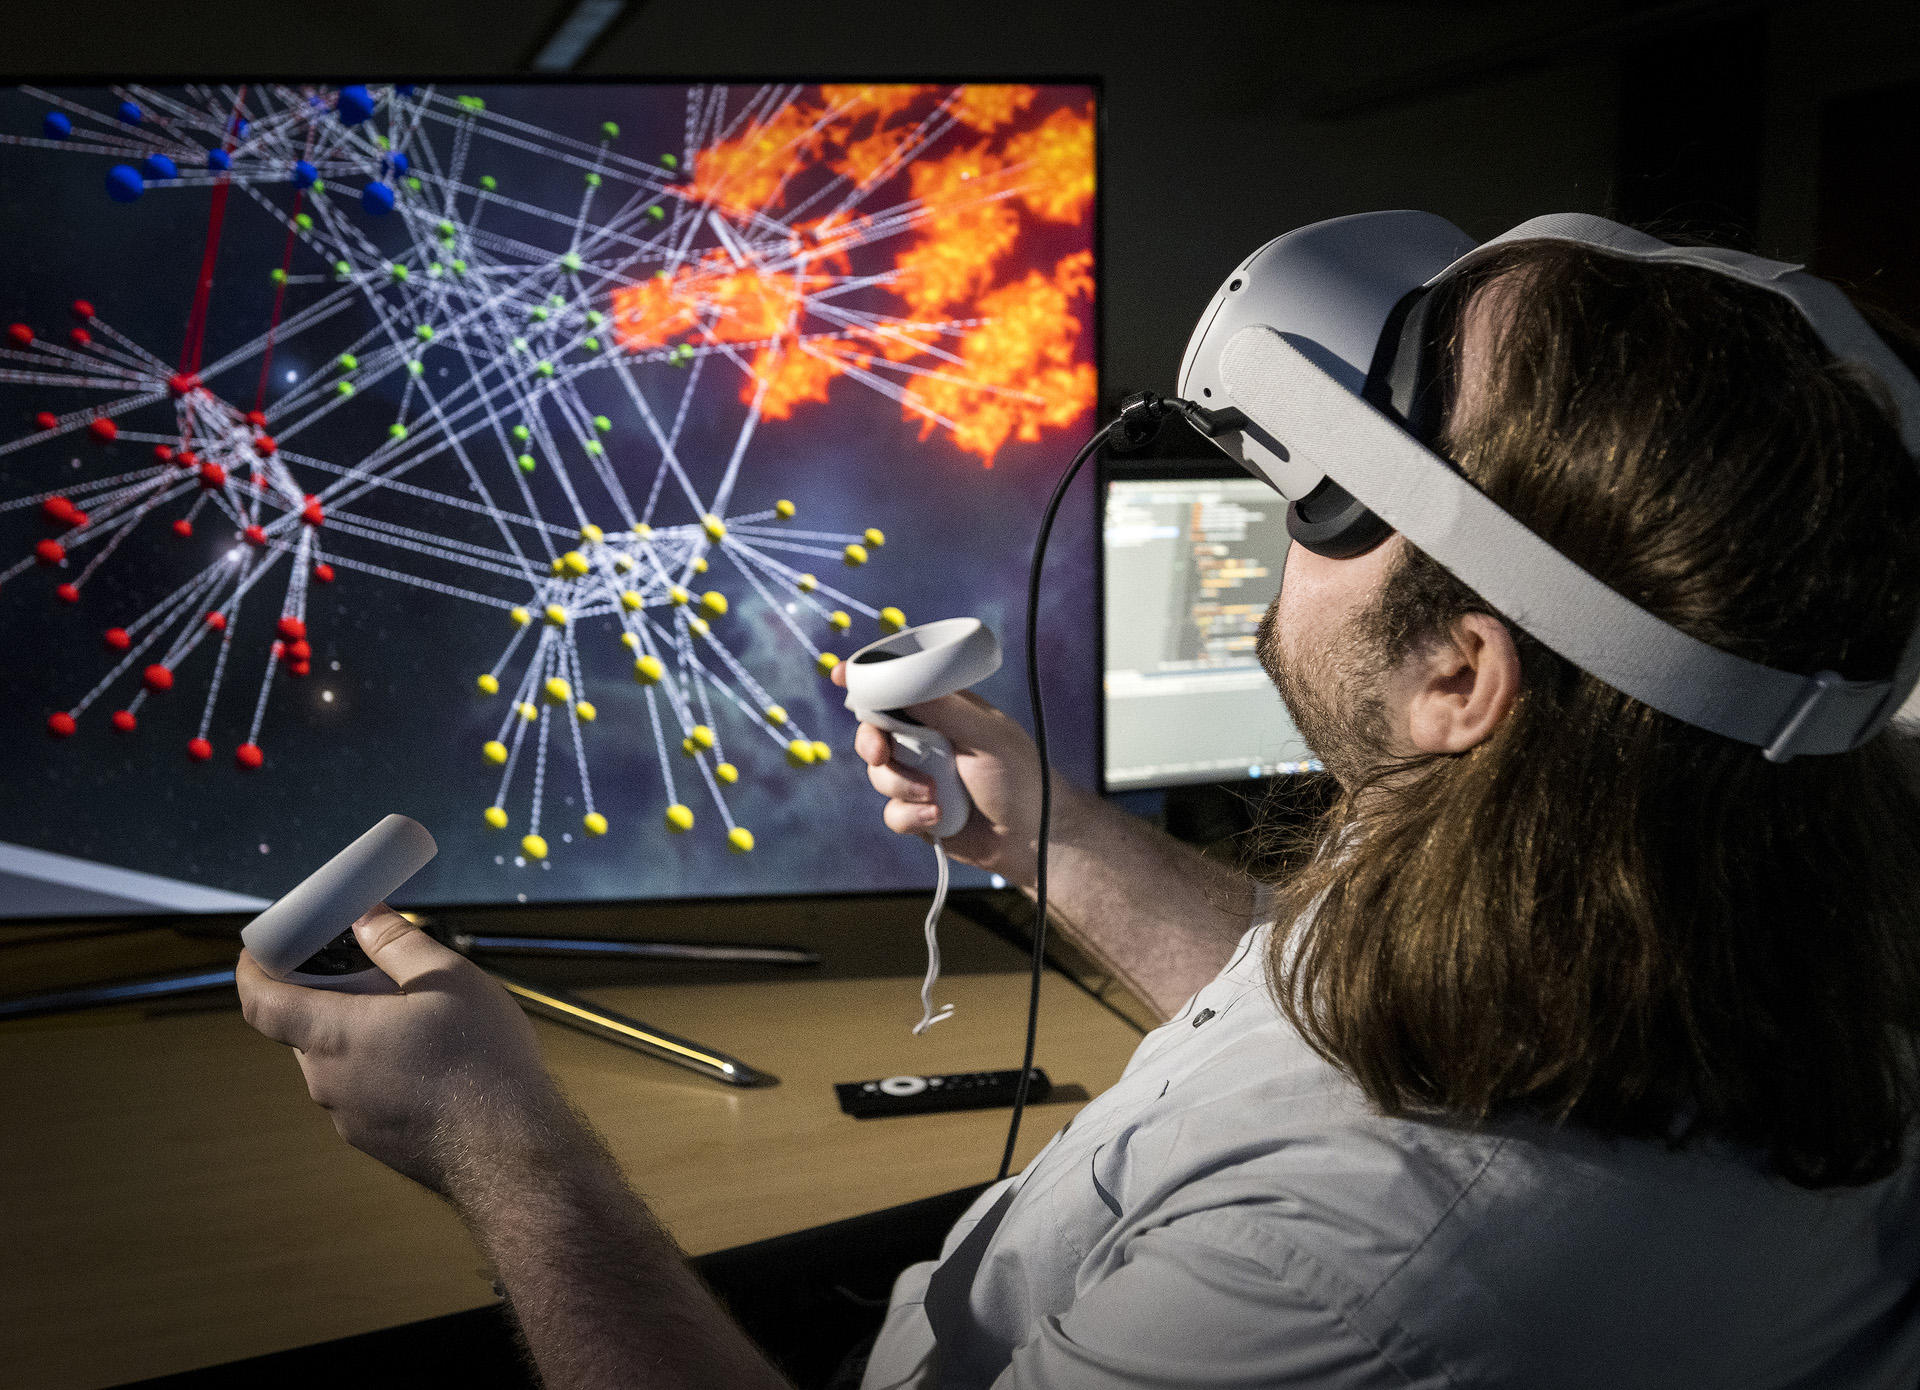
x: 1461, y: 686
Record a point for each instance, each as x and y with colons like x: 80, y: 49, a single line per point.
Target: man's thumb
x: 398, y: 947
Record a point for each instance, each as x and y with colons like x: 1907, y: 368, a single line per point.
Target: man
x: 1578, y: 1047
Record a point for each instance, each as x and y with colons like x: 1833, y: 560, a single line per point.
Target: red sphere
x: 291, y: 628
x: 123, y: 720
x: 212, y: 475
x: 82, y: 309
x: 67, y: 593
x: 299, y: 652
x: 249, y: 756
x: 180, y: 383
x: 255, y: 535
x: 278, y: 649
x: 199, y: 749
x: 264, y: 446
x: 300, y: 668
x: 46, y: 420
x: 104, y: 430
x: 20, y: 334
x: 183, y: 527
x: 312, y: 513
x: 163, y: 452
x: 80, y: 337
x: 60, y: 725
x: 157, y: 678
x: 217, y: 621
x: 118, y: 639
x: 63, y: 512
x: 257, y: 418
x: 323, y: 572
x: 186, y: 458
x: 50, y: 552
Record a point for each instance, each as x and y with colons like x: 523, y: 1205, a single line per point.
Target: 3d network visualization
x: 513, y: 340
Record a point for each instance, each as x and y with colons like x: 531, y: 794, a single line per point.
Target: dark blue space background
x: 405, y: 725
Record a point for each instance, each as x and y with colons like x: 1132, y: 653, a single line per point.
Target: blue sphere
x: 55, y: 126
x: 356, y: 104
x: 219, y: 160
x: 158, y: 166
x: 239, y: 130
x: 377, y: 199
x: 405, y: 89
x: 304, y: 174
x: 398, y: 161
x: 129, y: 113
x: 124, y: 184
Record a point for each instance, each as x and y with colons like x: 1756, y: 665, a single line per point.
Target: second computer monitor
x: 1191, y: 564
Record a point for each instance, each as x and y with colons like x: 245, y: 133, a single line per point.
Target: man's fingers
x: 838, y: 675
x: 398, y: 947
x: 273, y: 1007
x: 900, y: 785
x: 968, y: 720
x: 870, y: 741
x: 910, y: 818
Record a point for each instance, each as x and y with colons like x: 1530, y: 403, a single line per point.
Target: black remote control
x: 923, y: 1095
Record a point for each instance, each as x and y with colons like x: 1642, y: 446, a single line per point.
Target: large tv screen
x: 517, y: 457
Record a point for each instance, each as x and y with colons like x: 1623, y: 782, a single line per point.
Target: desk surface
x: 174, y: 1200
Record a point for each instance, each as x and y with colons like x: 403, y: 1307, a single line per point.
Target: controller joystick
x: 307, y: 937
x: 923, y: 663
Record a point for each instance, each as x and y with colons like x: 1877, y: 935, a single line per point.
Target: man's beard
x: 1333, y: 694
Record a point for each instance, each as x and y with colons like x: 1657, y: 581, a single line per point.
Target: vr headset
x: 1311, y: 368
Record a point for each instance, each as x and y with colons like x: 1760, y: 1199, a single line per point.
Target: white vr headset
x: 1318, y: 341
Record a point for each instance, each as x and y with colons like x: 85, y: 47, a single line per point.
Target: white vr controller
x: 909, y: 668
x: 307, y: 937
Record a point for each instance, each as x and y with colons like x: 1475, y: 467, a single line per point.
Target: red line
x: 216, y: 219
x: 279, y: 298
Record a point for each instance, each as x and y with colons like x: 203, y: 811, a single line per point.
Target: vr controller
x: 923, y: 663
x: 307, y: 937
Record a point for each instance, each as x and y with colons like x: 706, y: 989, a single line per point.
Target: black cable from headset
x: 1139, y: 420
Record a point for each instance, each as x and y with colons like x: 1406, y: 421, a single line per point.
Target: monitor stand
x: 544, y: 1001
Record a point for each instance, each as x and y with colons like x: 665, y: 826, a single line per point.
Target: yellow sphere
x: 826, y: 661
x: 892, y: 620
x: 520, y: 616
x: 855, y: 554
x: 699, y: 564
x: 630, y: 599
x: 840, y: 619
x: 596, y: 823
x: 533, y: 847
x: 739, y: 839
x: 626, y: 564
x: 496, y: 817
x: 556, y: 615
x: 807, y: 583
x: 585, y: 712
x: 489, y: 684
x: 876, y: 537
x: 702, y: 735
x: 592, y: 534
x: 800, y: 753
x: 679, y: 818
x: 495, y: 751
x: 713, y: 526
x: 630, y: 640
x: 528, y: 712
x: 689, y: 747
x: 556, y: 564
x: 642, y: 530
x: 714, y: 602
x: 648, y: 669
x: 575, y: 563
x: 698, y: 626
x: 822, y: 753
x: 558, y: 691
x: 678, y: 595
x: 784, y: 509
x: 776, y: 714
x: 726, y: 772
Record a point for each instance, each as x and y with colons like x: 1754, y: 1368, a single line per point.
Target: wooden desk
x: 173, y: 1200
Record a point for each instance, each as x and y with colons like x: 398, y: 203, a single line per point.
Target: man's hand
x: 410, y: 1078
x: 1000, y: 768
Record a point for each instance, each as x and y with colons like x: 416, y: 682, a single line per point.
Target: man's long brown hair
x: 1601, y: 914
